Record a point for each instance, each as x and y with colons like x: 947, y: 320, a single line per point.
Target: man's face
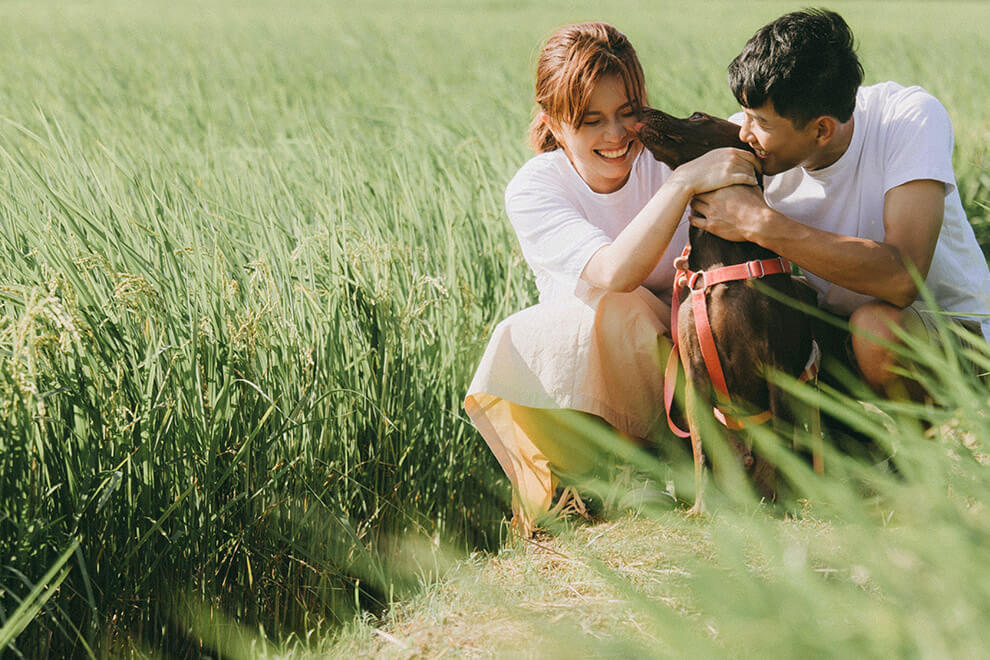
x: 778, y: 144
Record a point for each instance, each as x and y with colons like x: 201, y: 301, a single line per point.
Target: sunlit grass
x: 871, y: 559
x: 249, y: 256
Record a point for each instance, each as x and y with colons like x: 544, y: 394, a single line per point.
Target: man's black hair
x: 804, y: 62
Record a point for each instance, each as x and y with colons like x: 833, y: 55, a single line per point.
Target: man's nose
x: 744, y: 133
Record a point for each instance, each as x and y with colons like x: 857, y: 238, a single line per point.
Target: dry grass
x: 559, y: 596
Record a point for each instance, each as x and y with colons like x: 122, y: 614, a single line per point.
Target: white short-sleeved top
x: 900, y: 134
x: 561, y: 222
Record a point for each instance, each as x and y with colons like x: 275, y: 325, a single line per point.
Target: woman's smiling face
x: 603, y: 146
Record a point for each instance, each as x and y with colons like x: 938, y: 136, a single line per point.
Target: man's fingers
x: 747, y: 178
x: 751, y: 158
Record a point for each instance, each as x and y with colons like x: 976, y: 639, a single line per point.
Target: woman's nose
x: 618, y: 129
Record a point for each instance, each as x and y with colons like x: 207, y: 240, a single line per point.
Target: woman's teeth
x: 614, y: 153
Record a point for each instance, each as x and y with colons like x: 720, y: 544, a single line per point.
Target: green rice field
x: 249, y: 256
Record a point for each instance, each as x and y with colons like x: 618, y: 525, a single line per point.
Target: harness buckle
x: 752, y: 271
x: 696, y: 277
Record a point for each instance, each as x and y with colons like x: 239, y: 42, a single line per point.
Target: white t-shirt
x: 561, y: 222
x: 900, y: 134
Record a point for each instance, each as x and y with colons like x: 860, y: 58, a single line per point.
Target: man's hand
x: 732, y: 213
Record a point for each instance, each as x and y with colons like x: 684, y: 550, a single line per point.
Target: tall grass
x: 881, y: 556
x: 249, y: 256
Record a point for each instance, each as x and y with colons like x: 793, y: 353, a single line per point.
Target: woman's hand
x: 717, y: 169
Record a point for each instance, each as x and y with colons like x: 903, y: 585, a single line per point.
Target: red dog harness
x: 699, y: 284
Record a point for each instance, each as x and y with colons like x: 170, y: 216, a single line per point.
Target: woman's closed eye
x: 595, y: 121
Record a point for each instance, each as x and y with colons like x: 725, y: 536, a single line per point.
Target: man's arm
x: 912, y: 218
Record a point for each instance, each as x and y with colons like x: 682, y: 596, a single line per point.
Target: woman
x: 600, y: 222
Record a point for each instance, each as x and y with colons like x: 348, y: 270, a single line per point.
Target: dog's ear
x: 649, y: 115
x: 652, y: 122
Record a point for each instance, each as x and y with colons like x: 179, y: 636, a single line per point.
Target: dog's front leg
x: 694, y: 402
x: 698, y: 508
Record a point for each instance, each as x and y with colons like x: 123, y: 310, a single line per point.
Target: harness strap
x: 749, y: 270
x: 810, y: 371
x: 731, y: 419
x: 707, y: 340
x: 670, y: 373
x: 669, y: 385
x: 737, y: 422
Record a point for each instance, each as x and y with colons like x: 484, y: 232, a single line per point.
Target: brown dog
x: 754, y: 333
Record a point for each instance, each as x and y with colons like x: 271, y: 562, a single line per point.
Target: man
x: 860, y: 189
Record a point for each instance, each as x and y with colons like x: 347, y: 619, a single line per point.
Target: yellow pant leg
x: 532, y: 447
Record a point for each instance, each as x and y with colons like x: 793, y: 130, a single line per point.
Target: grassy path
x: 892, y: 570
x: 611, y: 589
x: 542, y: 597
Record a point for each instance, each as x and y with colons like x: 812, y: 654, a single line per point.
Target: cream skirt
x: 604, y: 356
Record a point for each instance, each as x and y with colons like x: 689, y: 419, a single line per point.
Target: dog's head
x: 675, y: 141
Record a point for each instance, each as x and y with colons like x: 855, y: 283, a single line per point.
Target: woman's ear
x: 551, y: 125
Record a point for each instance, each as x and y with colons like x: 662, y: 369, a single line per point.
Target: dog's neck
x: 709, y: 251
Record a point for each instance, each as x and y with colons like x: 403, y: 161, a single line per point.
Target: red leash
x: 699, y: 283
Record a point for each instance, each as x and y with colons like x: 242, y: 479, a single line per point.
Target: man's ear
x: 825, y: 127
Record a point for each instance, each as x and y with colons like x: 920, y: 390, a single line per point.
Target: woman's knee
x: 631, y: 313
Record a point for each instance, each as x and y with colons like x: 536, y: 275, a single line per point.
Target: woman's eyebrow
x: 624, y: 106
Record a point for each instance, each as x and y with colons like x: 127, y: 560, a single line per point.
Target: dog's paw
x: 699, y: 510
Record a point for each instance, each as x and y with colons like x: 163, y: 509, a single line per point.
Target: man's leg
x: 875, y: 321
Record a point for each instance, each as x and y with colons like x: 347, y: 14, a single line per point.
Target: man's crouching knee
x: 874, y: 338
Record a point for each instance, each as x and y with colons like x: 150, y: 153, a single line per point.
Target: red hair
x: 571, y: 62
